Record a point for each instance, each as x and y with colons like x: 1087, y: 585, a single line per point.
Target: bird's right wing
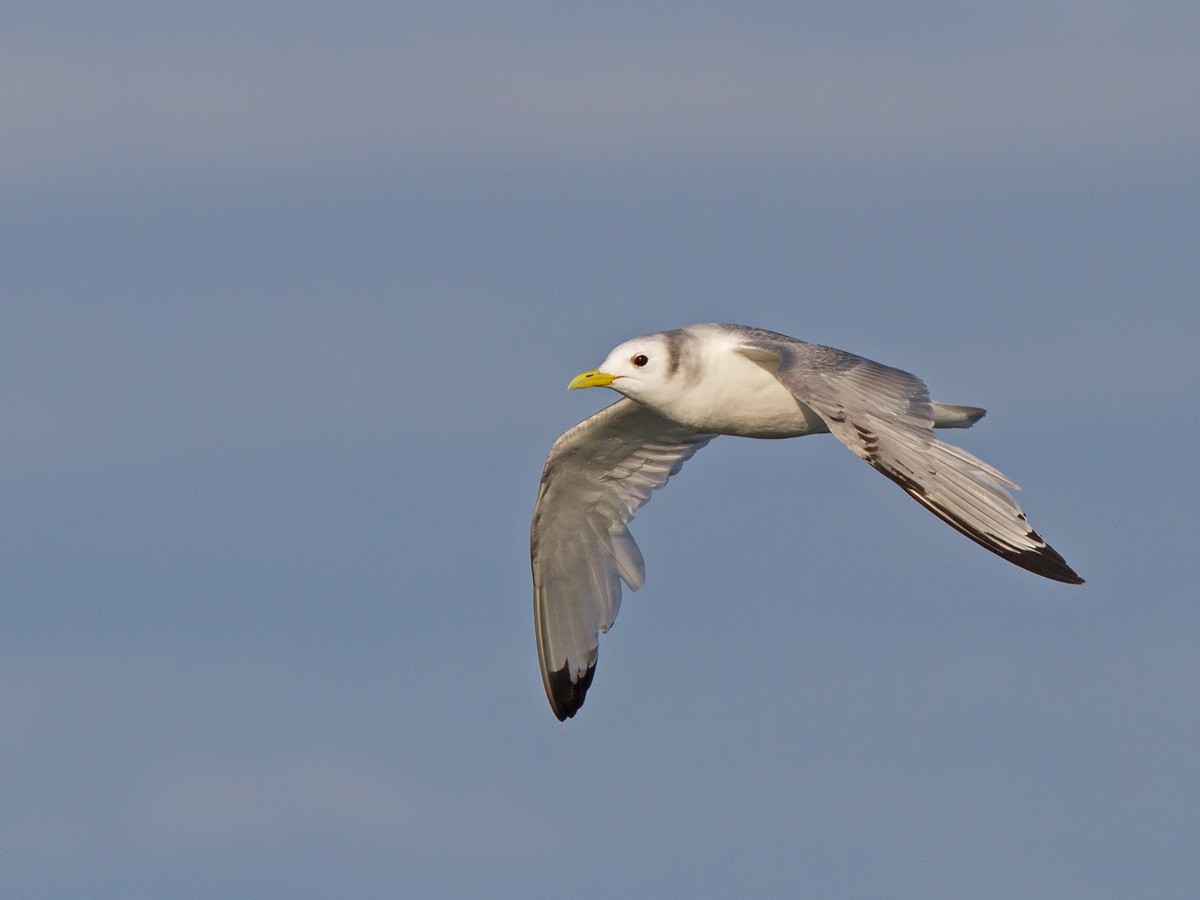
x: 598, y: 474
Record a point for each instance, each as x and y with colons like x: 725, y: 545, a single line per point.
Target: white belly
x: 739, y: 397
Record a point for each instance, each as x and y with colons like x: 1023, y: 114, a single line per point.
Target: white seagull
x: 681, y: 389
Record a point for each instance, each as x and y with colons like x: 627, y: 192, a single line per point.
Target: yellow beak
x: 594, y: 378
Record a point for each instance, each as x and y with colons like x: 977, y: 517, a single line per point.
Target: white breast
x: 735, y: 395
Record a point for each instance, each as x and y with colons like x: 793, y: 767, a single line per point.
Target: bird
x: 682, y: 388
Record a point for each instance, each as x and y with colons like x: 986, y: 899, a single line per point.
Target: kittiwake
x: 681, y: 389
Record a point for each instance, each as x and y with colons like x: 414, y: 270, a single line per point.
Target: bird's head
x: 644, y: 368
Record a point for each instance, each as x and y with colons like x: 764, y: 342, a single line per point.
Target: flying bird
x: 681, y: 389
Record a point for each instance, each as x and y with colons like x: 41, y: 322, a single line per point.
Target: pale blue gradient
x: 290, y: 301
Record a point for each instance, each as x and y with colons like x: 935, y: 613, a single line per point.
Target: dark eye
x: 640, y: 360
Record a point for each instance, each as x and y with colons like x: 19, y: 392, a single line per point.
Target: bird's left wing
x: 884, y: 416
x: 598, y: 474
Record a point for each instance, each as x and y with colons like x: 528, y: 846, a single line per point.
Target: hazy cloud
x: 230, y: 803
x: 74, y: 111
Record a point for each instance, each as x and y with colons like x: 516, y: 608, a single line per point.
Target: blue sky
x: 291, y: 297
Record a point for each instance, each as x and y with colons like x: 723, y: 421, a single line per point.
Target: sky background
x: 290, y: 297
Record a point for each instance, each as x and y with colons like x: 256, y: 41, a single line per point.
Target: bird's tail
x: 947, y: 415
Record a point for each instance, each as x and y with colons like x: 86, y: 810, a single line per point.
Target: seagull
x: 682, y: 388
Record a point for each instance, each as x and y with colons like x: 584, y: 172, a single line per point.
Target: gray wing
x: 598, y: 474
x: 884, y: 415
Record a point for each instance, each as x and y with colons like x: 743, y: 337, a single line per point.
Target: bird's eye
x: 640, y: 360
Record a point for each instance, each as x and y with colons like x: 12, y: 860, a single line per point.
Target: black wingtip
x: 1045, y: 561
x: 1042, y: 560
x: 566, y: 695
